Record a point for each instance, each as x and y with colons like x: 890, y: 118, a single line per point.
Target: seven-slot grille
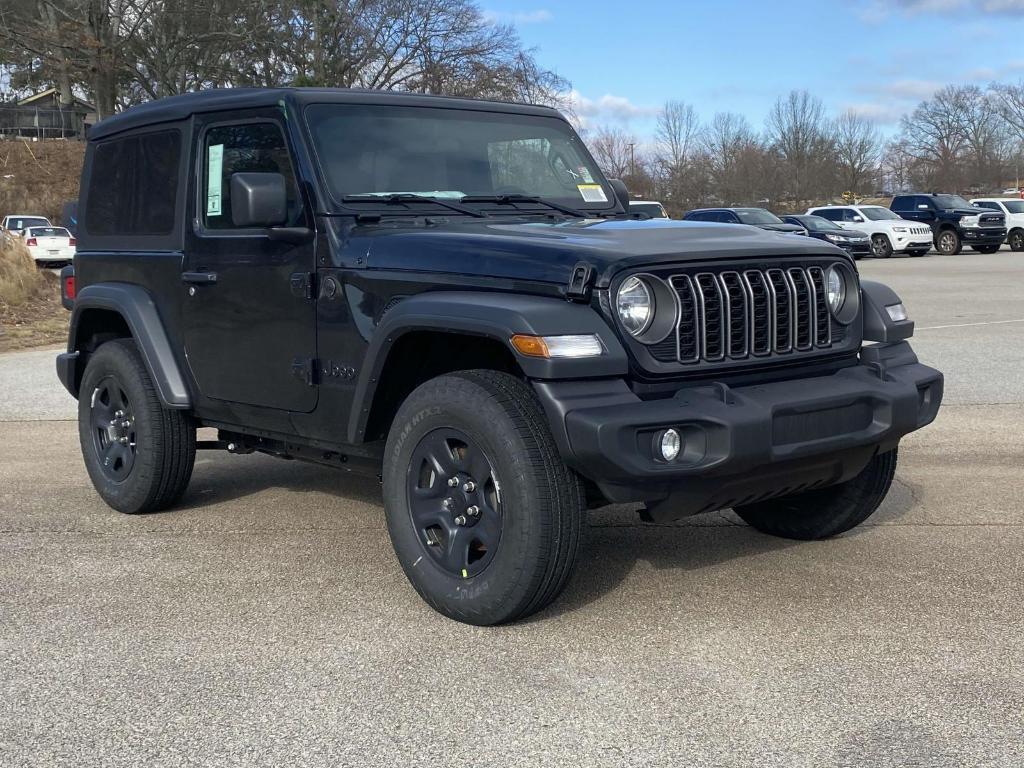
x: 920, y: 230
x: 735, y: 314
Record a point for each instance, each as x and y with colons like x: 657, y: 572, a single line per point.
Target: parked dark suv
x: 954, y: 222
x: 449, y: 294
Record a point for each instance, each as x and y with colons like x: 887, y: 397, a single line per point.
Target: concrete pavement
x: 265, y: 622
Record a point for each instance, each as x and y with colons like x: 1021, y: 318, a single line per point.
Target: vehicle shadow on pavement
x: 226, y: 478
x: 617, y: 544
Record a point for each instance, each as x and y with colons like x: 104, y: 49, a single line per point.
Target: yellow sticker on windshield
x: 592, y: 193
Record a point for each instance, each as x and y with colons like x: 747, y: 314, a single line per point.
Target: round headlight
x: 835, y: 288
x: 635, y: 304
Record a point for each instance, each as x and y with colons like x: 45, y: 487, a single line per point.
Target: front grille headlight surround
x: 842, y: 292
x: 647, y: 308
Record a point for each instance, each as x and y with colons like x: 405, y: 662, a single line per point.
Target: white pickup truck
x: 1013, y: 209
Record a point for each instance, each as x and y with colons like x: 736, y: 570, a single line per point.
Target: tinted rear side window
x: 133, y: 185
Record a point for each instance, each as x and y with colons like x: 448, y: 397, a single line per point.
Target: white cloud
x: 538, y: 16
x: 607, y: 108
x: 880, y: 10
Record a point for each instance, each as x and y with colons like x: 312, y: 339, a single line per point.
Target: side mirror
x: 258, y: 200
x: 858, y: 219
x: 923, y: 207
x: 621, y: 193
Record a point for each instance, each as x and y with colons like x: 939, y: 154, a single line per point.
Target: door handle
x: 199, y: 278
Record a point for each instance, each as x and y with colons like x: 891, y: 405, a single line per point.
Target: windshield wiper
x: 511, y: 199
x: 404, y: 197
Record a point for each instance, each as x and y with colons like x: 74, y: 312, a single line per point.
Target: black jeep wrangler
x: 449, y: 294
x: 954, y: 222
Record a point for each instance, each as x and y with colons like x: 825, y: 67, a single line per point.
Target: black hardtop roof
x: 214, y: 100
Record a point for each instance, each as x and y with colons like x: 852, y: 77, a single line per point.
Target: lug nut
x: 460, y: 520
x: 473, y: 511
x: 452, y: 482
x: 469, y: 486
x: 123, y: 441
x: 447, y: 503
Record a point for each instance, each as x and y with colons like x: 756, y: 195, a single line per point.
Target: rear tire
x: 948, y: 243
x: 139, y: 455
x: 881, y: 248
x: 505, y: 548
x: 825, y: 512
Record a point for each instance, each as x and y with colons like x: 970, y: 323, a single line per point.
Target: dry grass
x: 31, y: 314
x: 38, y: 177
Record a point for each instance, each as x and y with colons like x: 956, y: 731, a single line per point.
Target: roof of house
x: 29, y: 100
x: 218, y: 99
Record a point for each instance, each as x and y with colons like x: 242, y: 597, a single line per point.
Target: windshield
x: 877, y: 213
x: 48, y: 232
x: 757, y: 216
x: 1014, y: 206
x: 451, y: 154
x: 23, y: 222
x: 951, y: 201
x: 654, y: 210
x: 815, y: 223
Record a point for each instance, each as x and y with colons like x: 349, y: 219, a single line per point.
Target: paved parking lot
x: 265, y: 622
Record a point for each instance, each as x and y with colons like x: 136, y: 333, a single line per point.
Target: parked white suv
x: 889, y: 233
x: 1013, y: 209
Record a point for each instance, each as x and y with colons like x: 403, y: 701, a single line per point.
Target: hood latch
x: 578, y: 288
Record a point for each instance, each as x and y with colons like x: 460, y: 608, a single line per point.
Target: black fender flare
x: 878, y: 325
x: 497, y: 316
x: 135, y: 305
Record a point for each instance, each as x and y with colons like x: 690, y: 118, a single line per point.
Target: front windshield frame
x: 756, y: 216
x: 878, y: 213
x: 355, y: 201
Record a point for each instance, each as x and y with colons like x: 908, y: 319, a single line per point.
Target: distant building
x: 43, y: 116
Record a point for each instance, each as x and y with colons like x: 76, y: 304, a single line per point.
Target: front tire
x: 948, y: 243
x: 484, y: 516
x: 1016, y: 240
x: 881, y: 248
x: 139, y: 455
x: 825, y: 512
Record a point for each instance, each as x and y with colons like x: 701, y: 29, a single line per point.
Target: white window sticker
x: 592, y: 193
x: 215, y: 166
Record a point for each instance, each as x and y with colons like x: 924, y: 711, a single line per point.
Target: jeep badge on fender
x: 451, y: 295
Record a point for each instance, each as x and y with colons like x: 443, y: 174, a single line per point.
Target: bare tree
x: 615, y: 151
x: 799, y: 131
x: 934, y: 135
x: 857, y: 151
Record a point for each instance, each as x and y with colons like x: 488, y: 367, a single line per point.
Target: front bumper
x: 746, y: 444
x: 984, y: 236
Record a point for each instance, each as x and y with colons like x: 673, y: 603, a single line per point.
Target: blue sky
x: 624, y: 59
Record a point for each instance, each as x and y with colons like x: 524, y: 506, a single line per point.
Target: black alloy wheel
x: 113, y: 429
x: 454, y: 498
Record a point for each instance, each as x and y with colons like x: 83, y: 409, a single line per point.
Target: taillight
x: 31, y: 241
x: 71, y: 241
x: 69, y: 287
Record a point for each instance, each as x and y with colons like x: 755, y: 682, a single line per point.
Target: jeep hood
x: 547, y: 251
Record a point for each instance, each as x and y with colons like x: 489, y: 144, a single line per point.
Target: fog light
x: 669, y: 444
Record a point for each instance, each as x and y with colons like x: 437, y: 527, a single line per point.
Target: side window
x: 850, y: 215
x: 902, y: 203
x: 727, y: 217
x: 230, y: 149
x: 987, y: 204
x: 832, y: 214
x: 922, y: 200
x: 133, y: 185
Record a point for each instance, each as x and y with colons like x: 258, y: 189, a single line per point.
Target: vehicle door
x: 249, y: 311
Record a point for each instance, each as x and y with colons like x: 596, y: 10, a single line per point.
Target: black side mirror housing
x: 621, y: 193
x: 258, y: 199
